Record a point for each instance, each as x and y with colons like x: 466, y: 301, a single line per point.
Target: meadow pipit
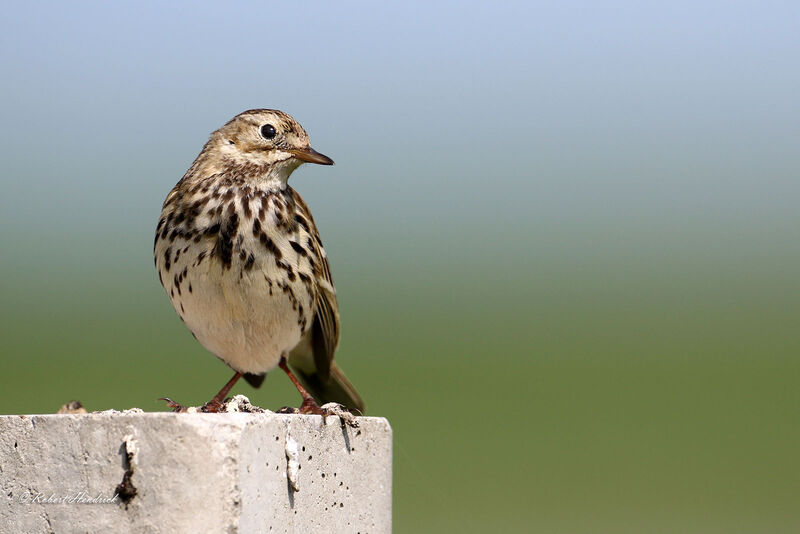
x: 242, y: 261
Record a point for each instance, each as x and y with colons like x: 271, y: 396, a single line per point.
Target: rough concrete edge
x: 138, y: 412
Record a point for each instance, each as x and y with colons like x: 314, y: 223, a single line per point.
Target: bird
x: 240, y: 257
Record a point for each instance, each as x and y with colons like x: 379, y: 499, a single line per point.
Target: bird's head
x: 264, y: 139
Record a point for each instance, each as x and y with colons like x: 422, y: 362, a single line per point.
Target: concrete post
x: 163, y: 472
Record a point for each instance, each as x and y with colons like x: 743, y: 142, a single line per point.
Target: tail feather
x: 337, y: 388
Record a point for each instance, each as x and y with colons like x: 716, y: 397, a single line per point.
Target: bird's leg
x: 214, y: 405
x: 309, y: 404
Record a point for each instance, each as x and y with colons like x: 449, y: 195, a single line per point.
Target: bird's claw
x: 334, y: 408
x: 309, y: 406
x: 212, y: 406
x: 177, y: 408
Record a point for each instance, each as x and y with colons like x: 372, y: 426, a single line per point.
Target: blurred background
x: 565, y: 238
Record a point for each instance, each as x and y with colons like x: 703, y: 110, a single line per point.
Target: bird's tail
x: 337, y: 388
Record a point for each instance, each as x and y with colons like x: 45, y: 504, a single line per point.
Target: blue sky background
x: 581, y: 112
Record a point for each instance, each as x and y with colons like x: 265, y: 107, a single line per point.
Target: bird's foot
x: 177, y: 408
x: 310, y: 407
x: 334, y: 408
x: 238, y: 403
x: 212, y: 406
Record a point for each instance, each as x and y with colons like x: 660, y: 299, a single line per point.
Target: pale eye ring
x: 268, y: 131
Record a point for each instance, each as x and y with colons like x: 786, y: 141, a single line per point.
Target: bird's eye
x: 268, y: 131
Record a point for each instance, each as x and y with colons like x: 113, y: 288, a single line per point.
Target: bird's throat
x: 276, y: 176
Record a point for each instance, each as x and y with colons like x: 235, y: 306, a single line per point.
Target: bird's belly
x: 239, y: 316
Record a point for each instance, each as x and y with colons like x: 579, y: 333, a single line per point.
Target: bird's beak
x: 310, y: 155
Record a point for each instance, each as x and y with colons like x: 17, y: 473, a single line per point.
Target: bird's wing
x: 325, y: 329
x: 312, y: 359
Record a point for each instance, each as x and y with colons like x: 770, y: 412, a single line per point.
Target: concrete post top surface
x: 194, y: 472
x: 239, y: 419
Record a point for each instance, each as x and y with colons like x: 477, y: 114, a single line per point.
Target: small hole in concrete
x: 309, y: 456
x: 304, y: 448
x: 341, y: 505
x: 323, y: 475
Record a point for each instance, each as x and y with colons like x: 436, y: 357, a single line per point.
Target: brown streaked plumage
x: 242, y: 261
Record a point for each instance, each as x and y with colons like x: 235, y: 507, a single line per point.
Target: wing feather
x: 325, y: 330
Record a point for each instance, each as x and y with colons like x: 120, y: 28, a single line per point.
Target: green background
x: 565, y: 239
